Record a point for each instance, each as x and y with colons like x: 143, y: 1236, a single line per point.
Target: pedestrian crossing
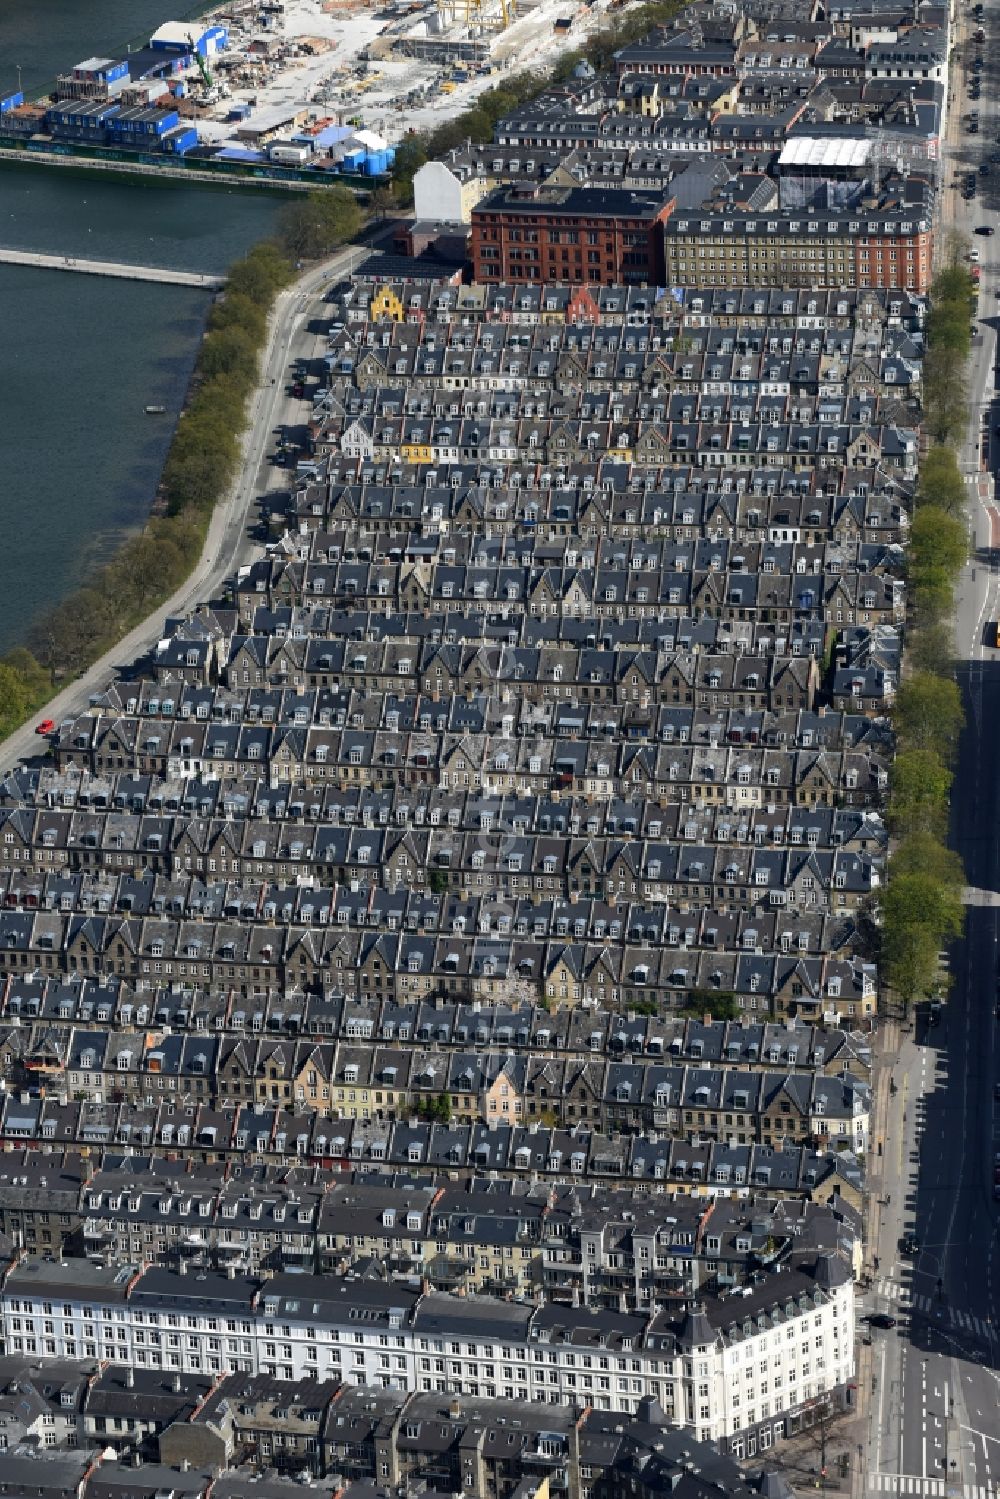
x: 926, y: 1488
x: 935, y: 1311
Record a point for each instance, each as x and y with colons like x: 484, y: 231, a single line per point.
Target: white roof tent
x: 823, y: 151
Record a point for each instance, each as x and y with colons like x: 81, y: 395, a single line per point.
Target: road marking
x: 984, y: 1434
x: 894, y: 1290
x: 881, y: 1400
x: 905, y: 1483
x: 927, y: 1488
x: 923, y: 1421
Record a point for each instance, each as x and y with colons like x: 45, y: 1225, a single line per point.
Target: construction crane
x: 206, y: 76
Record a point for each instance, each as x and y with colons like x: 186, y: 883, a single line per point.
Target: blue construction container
x: 374, y: 164
x: 354, y: 161
x: 181, y: 139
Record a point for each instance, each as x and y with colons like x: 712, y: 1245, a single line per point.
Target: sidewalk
x: 885, y: 1055
x: 886, y: 1052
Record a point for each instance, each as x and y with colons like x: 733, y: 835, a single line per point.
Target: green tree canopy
x: 919, y: 915
x: 260, y: 274
x: 931, y: 646
x: 230, y: 351
x: 939, y: 547
x: 314, y: 225
x: 921, y: 853
x: 940, y: 482
x: 411, y: 153
x: 920, y: 787
x: 238, y: 310
x: 928, y: 713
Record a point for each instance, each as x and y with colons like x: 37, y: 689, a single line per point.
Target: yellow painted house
x: 385, y: 306
x: 416, y: 452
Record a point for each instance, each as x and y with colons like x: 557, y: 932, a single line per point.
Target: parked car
x: 985, y: 229
x: 879, y: 1319
x: 47, y: 726
x: 909, y: 1244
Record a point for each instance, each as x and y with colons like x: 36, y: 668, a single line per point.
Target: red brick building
x: 570, y: 235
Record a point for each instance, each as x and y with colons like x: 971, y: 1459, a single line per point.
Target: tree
x: 74, y: 632
x: 928, y: 713
x: 946, y: 404
x: 221, y: 400
x: 31, y: 672
x: 939, y: 547
x: 941, y: 481
x: 922, y: 853
x: 230, y: 351
x: 919, y: 915
x: 312, y: 226
x: 920, y: 787
x: 196, y: 477
x: 381, y: 200
x: 411, y: 153
x: 238, y: 310
x: 932, y: 647
x: 938, y: 543
x: 16, y: 700
x: 955, y: 251
x: 721, y: 1004
x: 261, y: 273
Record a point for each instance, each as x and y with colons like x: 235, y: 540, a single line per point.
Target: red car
x: 47, y: 726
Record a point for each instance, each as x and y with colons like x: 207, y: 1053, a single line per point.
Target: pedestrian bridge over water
x: 118, y: 269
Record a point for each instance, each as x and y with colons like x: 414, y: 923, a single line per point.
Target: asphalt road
x: 935, y: 1396
x: 229, y: 541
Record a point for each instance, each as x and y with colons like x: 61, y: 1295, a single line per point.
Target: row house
x: 39, y: 1014
x: 488, y: 963
x: 255, y: 1135
x: 346, y: 1081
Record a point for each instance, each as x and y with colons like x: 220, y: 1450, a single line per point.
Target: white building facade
x: 724, y: 1368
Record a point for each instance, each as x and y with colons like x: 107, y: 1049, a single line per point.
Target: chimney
x: 129, y: 1377
x: 175, y: 1384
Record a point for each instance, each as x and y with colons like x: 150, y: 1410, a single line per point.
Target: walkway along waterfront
x: 111, y: 268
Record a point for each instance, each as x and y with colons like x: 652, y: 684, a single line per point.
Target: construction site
x: 287, y: 92
x: 385, y: 69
